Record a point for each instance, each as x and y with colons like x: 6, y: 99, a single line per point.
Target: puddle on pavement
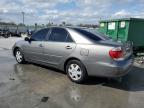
x: 43, y: 83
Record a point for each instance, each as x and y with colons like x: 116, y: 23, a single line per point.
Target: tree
x: 63, y: 23
x: 36, y: 26
x: 21, y: 24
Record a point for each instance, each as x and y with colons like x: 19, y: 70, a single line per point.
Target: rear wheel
x: 19, y: 56
x: 76, y: 71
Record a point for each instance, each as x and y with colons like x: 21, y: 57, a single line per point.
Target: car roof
x: 78, y: 38
x: 67, y: 27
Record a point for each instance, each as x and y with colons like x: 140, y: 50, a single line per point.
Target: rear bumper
x: 114, y: 69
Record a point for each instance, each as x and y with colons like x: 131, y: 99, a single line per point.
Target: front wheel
x: 76, y: 71
x: 19, y: 56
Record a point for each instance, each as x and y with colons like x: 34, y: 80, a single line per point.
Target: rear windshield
x: 90, y: 35
x: 96, y: 32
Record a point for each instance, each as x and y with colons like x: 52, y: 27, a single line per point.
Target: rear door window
x: 59, y: 35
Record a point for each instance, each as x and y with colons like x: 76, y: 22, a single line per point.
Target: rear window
x: 103, y: 36
x: 88, y: 35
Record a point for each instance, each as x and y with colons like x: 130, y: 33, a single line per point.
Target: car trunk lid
x: 125, y: 46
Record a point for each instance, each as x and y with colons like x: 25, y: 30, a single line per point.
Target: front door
x: 34, y: 49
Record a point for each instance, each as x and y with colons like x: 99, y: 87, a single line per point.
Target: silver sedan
x: 77, y: 52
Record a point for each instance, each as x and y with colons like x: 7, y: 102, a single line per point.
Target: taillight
x: 116, y: 53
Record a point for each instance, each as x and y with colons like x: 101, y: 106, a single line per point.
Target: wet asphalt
x: 34, y: 86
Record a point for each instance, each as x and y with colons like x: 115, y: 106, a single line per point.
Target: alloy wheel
x: 75, y: 72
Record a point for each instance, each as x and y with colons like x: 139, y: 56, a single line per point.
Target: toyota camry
x: 77, y: 52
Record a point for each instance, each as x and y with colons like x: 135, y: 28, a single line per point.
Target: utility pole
x: 23, y: 15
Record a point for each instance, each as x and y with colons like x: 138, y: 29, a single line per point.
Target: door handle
x: 68, y: 47
x: 40, y: 45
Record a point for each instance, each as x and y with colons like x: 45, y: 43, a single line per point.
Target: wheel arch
x: 69, y: 59
x: 15, y: 50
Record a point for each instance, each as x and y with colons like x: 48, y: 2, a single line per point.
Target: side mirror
x: 27, y: 39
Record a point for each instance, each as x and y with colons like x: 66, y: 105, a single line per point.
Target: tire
x: 76, y: 71
x: 19, y: 56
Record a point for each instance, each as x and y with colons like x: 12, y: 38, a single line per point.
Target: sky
x: 70, y: 11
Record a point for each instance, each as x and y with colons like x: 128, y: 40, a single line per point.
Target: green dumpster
x: 127, y: 29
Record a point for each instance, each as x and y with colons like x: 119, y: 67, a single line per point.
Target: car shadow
x: 133, y: 81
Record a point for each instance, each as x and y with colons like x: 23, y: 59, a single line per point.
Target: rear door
x: 58, y: 47
x: 34, y: 49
